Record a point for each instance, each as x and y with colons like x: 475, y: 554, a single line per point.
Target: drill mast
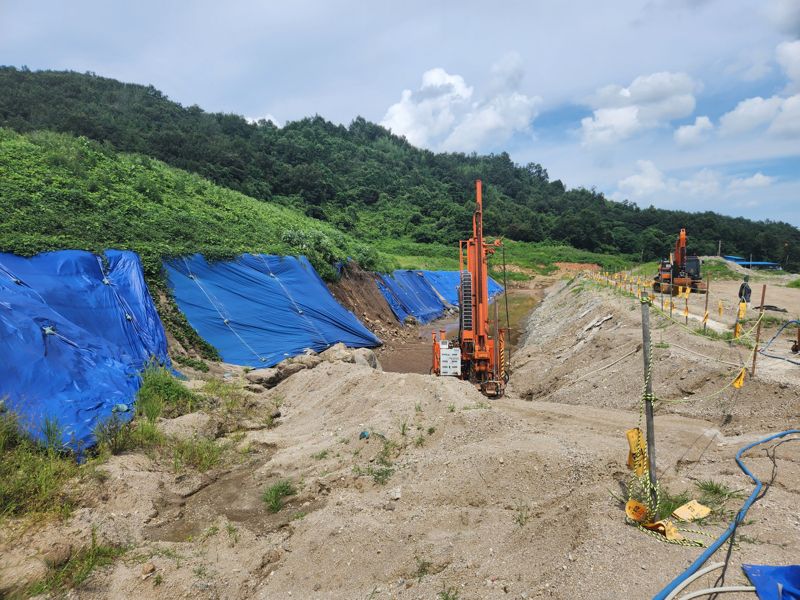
x: 482, y: 355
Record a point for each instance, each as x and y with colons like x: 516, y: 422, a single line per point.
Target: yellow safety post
x: 720, y: 308
x: 737, y: 331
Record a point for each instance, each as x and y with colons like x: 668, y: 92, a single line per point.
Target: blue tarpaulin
x: 447, y: 282
x: 258, y: 309
x: 409, y: 293
x: 775, y: 583
x: 422, y: 294
x: 75, y: 331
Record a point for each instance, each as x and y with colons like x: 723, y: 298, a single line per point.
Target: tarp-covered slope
x: 424, y: 295
x: 75, y: 331
x: 258, y: 309
x: 409, y: 294
x: 447, y: 282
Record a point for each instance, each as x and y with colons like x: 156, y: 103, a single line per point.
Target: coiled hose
x: 662, y: 595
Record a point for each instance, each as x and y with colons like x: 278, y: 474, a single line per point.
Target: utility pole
x: 648, y: 399
x: 758, y: 329
x: 719, y: 248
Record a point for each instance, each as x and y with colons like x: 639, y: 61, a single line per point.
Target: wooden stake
x: 758, y: 329
x: 648, y: 401
x: 705, y: 310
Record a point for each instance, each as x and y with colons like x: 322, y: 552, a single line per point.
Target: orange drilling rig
x: 680, y: 271
x: 475, y: 355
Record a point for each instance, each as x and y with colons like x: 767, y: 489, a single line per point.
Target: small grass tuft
x: 714, y: 494
x: 522, y: 514
x: 231, y: 395
x: 423, y: 568
x: 77, y: 569
x: 198, y: 453
x: 113, y: 434
x: 448, y: 593
x: 275, y: 494
x: 159, y: 387
x: 194, y: 363
x: 669, y: 502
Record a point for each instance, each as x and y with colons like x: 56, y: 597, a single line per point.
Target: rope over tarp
x: 259, y: 309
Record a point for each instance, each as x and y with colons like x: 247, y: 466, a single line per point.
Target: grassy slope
x: 58, y: 191
x: 538, y: 257
x: 64, y: 192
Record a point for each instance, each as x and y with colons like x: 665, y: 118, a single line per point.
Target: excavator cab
x: 680, y: 271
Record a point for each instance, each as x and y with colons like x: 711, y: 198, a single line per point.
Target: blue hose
x: 739, y: 518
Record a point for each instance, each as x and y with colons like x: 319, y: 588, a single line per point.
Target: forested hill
x: 363, y: 179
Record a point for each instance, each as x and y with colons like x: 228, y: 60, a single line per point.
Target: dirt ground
x: 513, y: 498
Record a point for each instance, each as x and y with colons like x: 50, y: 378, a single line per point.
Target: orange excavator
x: 476, y: 355
x: 680, y: 271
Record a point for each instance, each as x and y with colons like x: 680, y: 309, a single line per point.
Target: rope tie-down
x: 219, y: 308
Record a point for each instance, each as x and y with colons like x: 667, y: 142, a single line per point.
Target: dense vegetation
x: 364, y: 180
x: 59, y: 191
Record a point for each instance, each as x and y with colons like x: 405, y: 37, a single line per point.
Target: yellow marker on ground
x: 739, y: 381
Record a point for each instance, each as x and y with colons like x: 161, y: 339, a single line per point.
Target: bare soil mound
x: 406, y: 486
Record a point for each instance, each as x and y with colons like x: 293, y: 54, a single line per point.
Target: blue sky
x: 691, y: 104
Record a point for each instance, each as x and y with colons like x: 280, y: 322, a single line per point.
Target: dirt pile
x: 405, y: 486
x: 568, y: 346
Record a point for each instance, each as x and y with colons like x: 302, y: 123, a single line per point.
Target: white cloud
x: 266, y: 117
x: 704, y: 183
x: 609, y: 125
x: 690, y: 135
x: 443, y: 115
x: 650, y: 183
x: 787, y: 123
x: 759, y: 180
x: 650, y: 101
x: 749, y: 114
x: 788, y: 56
x: 494, y: 120
x: 781, y: 114
x: 428, y: 113
x: 646, y: 182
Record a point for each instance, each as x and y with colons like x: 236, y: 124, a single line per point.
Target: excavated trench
x: 412, y: 353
